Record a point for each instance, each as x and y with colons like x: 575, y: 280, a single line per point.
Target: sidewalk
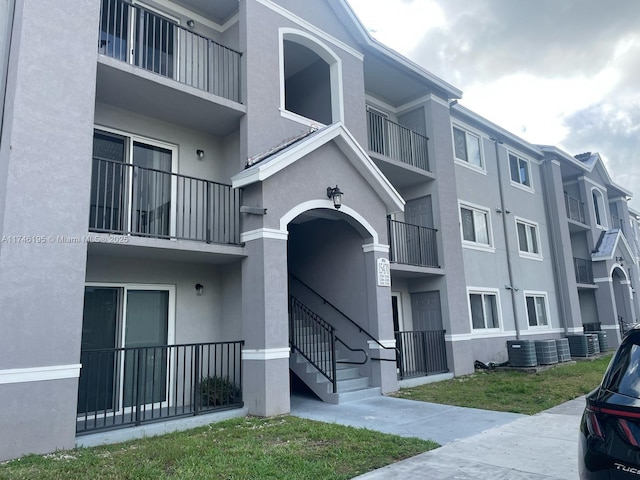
x: 539, y: 447
x: 476, y: 444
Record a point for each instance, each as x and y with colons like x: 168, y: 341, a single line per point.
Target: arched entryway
x: 625, y: 315
x: 339, y: 318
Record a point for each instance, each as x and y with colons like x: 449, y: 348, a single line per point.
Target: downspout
x: 554, y: 252
x: 511, y: 287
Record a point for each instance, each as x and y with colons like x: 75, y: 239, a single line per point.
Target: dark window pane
x: 477, y: 316
x: 460, y: 144
x: 468, y: 232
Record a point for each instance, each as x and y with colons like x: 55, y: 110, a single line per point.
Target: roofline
x: 501, y: 132
x: 452, y: 92
x: 577, y: 163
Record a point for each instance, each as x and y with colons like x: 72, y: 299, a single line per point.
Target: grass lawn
x: 247, y: 448
x: 516, y: 392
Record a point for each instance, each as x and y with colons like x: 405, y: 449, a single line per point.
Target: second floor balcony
x: 412, y: 244
x: 152, y: 202
x: 148, y: 40
x: 396, y: 142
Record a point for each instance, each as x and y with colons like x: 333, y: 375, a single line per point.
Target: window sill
x: 473, y: 168
x: 300, y: 119
x: 478, y: 246
x: 522, y: 187
x: 531, y: 256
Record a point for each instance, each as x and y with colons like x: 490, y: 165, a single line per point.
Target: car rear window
x: 623, y: 376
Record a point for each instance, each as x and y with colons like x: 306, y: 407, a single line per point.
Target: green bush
x: 218, y: 391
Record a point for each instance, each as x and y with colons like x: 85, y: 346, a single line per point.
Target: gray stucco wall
x: 210, y: 317
x: 46, y: 155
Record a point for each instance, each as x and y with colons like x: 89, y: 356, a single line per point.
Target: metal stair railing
x: 344, y: 315
x: 316, y: 340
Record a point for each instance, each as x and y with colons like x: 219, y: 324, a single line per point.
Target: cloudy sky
x: 556, y: 72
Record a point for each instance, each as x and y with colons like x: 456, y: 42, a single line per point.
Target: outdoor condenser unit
x: 602, y: 341
x: 522, y: 353
x: 546, y: 352
x: 582, y: 345
x: 562, y: 346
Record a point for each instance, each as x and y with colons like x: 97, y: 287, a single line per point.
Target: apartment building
x: 201, y: 199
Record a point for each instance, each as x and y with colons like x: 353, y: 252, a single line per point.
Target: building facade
x: 202, y: 200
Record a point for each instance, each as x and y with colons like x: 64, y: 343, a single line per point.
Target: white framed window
x: 520, y: 171
x: 475, y: 226
x: 484, y: 309
x: 537, y: 309
x: 467, y: 148
x: 528, y: 238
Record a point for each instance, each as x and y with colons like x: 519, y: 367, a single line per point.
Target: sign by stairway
x: 384, y: 272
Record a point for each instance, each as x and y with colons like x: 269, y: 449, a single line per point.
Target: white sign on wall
x: 384, y: 272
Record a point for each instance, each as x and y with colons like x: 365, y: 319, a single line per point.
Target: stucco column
x: 265, y: 325
x: 606, y: 304
x: 45, y: 181
x: 562, y: 253
x: 383, y: 372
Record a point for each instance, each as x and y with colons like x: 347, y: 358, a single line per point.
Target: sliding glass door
x: 132, y: 186
x: 124, y: 358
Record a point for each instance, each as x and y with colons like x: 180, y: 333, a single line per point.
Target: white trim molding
x: 603, y: 280
x: 385, y: 343
x: 608, y: 327
x: 262, y: 354
x: 375, y: 247
x: 260, y: 233
x: 39, y: 374
x: 577, y: 330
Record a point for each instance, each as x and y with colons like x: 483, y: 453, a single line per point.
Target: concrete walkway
x: 477, y: 444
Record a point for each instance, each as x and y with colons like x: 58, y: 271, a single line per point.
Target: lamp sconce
x: 498, y: 210
x: 619, y: 259
x: 335, y: 194
x: 199, y: 289
x: 200, y: 154
x: 191, y: 23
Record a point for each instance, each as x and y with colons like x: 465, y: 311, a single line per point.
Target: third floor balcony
x: 152, y: 64
x: 400, y: 152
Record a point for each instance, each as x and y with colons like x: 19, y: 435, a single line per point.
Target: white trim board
x: 39, y: 374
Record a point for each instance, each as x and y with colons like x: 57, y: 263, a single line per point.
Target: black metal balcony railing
x: 421, y: 353
x: 412, y: 244
x: 575, y: 208
x: 140, y: 37
x: 397, y: 142
x: 617, y: 222
x: 128, y: 199
x: 584, y: 270
x: 122, y: 387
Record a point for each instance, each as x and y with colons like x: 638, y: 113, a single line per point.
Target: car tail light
x: 593, y: 424
x: 630, y: 431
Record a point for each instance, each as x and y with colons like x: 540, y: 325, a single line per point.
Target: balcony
x: 412, y: 244
x: 404, y: 151
x: 147, y: 202
x: 150, y: 64
x: 575, y: 209
x: 584, y: 271
x: 126, y: 387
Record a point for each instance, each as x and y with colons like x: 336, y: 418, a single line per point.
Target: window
x: 519, y: 170
x: 528, y: 238
x: 467, y: 147
x: 598, y: 206
x: 475, y: 225
x: 484, y: 310
x: 537, y: 310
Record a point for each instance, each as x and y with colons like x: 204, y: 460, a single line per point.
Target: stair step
x: 347, y: 373
x: 351, y: 384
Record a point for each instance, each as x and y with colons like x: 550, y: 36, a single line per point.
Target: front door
x: 427, y: 314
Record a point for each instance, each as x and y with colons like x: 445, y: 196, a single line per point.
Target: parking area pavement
x: 476, y: 444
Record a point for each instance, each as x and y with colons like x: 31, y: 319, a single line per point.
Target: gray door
x: 427, y: 314
x: 419, y: 212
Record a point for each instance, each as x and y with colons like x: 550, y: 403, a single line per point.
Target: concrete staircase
x: 351, y: 384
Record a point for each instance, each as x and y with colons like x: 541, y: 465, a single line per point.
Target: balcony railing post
x: 196, y: 380
x: 334, y: 377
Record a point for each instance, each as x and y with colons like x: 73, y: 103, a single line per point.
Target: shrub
x: 218, y: 391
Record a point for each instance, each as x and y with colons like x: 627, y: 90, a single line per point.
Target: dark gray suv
x: 610, y: 427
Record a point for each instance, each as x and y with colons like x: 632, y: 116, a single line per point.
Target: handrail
x: 366, y: 356
x: 361, y: 330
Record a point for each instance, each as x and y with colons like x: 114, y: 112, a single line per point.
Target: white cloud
x: 399, y: 24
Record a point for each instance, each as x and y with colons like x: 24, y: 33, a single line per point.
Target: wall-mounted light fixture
x: 191, y: 23
x: 335, y: 194
x: 199, y: 289
x: 619, y: 259
x: 200, y: 154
